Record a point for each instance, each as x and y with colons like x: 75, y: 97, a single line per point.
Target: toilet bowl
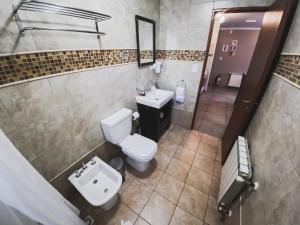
x: 138, y: 149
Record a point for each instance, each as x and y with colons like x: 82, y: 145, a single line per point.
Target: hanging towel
x: 180, y: 92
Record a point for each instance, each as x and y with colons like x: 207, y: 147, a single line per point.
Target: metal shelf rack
x: 38, y: 6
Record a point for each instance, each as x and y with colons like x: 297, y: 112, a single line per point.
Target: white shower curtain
x: 24, y: 189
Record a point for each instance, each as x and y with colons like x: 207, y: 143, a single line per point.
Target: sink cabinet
x: 153, y: 121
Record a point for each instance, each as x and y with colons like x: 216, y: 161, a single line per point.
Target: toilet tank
x: 118, y: 126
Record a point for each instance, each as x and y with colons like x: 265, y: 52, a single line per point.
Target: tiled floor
x: 180, y: 188
x: 214, y: 110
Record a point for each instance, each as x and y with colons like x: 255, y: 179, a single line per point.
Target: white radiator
x: 235, y: 80
x: 236, y: 172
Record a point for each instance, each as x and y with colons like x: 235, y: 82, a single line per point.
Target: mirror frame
x: 137, y: 19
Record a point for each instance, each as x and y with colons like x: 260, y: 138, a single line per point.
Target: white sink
x: 98, y: 183
x: 156, y: 98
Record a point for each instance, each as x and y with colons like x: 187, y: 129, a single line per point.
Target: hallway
x: 214, y: 110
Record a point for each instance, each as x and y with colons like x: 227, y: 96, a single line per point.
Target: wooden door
x: 274, y: 30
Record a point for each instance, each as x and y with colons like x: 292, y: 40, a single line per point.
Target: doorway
x: 274, y: 30
x: 233, y: 41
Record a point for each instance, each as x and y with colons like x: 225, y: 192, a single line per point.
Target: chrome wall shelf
x: 38, y: 6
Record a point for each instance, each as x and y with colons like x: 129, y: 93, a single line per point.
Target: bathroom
x: 57, y: 87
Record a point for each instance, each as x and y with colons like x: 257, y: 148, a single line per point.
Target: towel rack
x: 38, y: 6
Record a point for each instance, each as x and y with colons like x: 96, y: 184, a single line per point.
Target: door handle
x: 247, y: 101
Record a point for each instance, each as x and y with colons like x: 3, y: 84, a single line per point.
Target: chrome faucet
x: 84, y: 166
x: 149, y: 85
x: 93, y: 161
x: 78, y: 173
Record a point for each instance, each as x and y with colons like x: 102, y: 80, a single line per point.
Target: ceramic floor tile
x: 219, y: 153
x: 200, y: 180
x: 217, y: 169
x: 176, y: 135
x: 178, y: 169
x: 162, y: 160
x: 195, y: 133
x: 191, y: 141
x: 193, y: 202
x: 140, y: 221
x: 167, y: 147
x: 151, y: 177
x: 185, y: 155
x: 128, y: 180
x: 211, y: 140
x: 204, y: 163
x: 170, y: 188
x: 207, y: 150
x: 136, y: 196
x: 215, y: 118
x: 212, y: 128
x: 158, y: 210
x: 117, y: 213
x: 217, y: 108
x: 181, y: 217
x: 212, y: 216
x: 215, y: 185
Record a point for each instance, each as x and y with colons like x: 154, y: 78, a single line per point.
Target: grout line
x: 186, y: 183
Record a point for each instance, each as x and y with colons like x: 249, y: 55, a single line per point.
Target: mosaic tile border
x: 189, y: 55
x: 288, y: 67
x: 19, y: 67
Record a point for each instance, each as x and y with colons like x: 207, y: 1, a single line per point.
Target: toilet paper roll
x: 136, y: 115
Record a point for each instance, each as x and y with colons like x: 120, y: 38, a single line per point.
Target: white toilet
x: 139, y: 150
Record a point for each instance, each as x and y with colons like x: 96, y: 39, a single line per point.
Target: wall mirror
x: 145, y: 39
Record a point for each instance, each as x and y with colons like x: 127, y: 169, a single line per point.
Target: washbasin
x: 156, y: 98
x: 98, y: 183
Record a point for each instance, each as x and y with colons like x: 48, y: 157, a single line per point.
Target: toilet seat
x: 139, y: 148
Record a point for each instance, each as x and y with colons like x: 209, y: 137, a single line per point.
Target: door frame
x: 212, y: 23
x: 270, y: 64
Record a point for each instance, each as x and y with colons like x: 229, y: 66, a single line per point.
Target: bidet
x: 98, y: 183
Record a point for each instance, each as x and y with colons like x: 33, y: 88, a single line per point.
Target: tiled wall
x: 55, y: 121
x: 186, y: 55
x: 18, y: 67
x: 273, y: 135
x: 289, y: 68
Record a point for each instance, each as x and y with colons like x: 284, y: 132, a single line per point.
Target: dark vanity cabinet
x: 154, y: 122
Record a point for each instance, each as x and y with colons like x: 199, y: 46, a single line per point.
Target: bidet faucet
x: 84, y: 166
x: 93, y: 161
x: 78, y: 173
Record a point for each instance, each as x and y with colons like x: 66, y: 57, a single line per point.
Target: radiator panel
x: 235, y: 80
x: 235, y: 171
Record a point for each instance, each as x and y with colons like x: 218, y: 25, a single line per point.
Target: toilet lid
x: 139, y: 147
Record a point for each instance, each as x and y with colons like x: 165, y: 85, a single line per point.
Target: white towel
x: 180, y: 94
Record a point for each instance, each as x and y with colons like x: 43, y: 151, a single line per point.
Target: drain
x: 105, y: 190
x: 95, y: 181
